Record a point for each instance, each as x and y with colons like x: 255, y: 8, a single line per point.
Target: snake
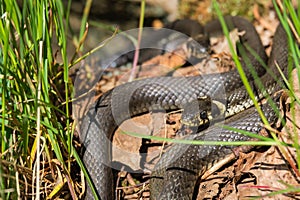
x: 176, y: 173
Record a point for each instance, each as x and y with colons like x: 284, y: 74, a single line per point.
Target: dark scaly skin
x: 175, y: 176
x: 166, y: 93
x: 176, y: 173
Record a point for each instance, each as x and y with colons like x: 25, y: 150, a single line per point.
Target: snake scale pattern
x: 176, y: 174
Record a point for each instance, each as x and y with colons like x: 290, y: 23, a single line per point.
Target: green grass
x: 37, y: 148
x: 36, y: 128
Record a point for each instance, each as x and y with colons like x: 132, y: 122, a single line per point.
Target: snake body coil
x: 175, y: 177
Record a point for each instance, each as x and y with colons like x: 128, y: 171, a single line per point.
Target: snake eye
x: 203, y: 115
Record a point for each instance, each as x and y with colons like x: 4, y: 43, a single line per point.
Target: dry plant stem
x: 291, y: 25
x: 94, y: 50
x: 136, y: 54
x: 218, y: 165
x: 294, y: 124
x: 38, y: 125
x: 166, y: 134
x: 18, y: 184
x: 287, y: 156
x: 284, y: 151
x: 81, y: 42
x: 71, y: 187
x: 130, y: 180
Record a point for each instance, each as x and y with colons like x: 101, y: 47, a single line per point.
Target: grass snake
x: 175, y: 175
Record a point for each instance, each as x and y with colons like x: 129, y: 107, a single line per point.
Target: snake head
x: 198, y: 114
